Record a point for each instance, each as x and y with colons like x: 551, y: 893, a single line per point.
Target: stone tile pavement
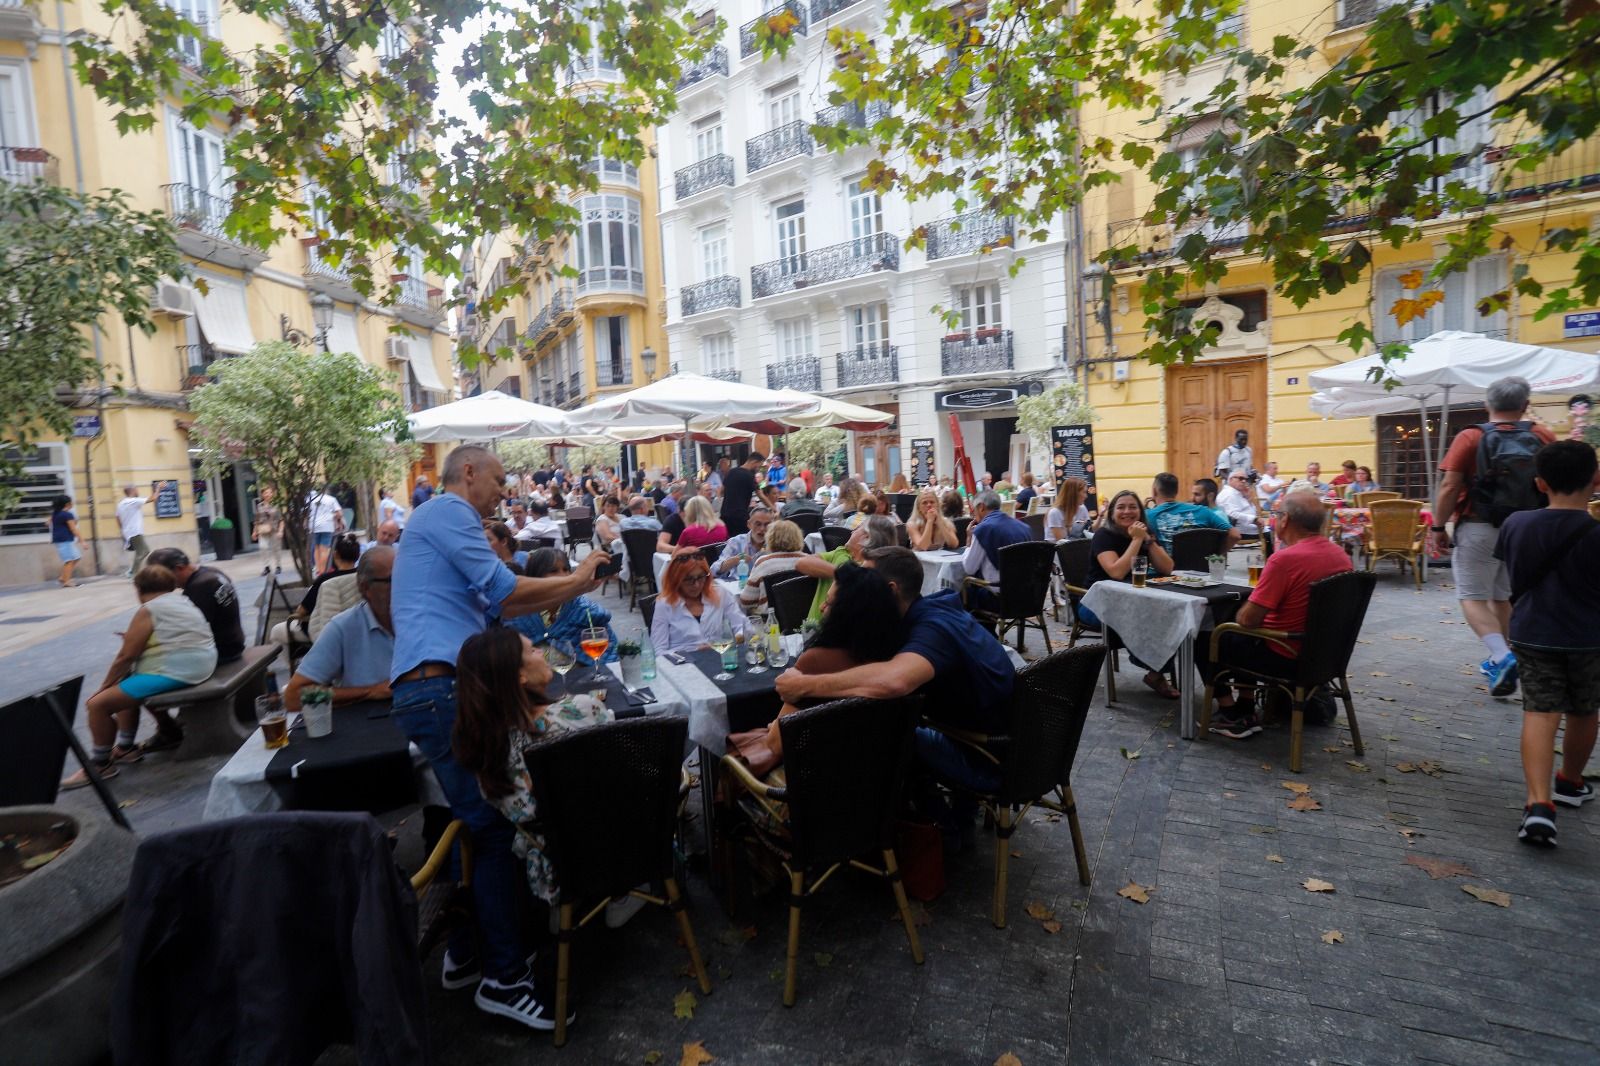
x: 1226, y: 963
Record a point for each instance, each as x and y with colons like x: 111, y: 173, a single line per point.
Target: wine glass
x: 722, y: 640
x: 561, y: 656
x: 595, y: 640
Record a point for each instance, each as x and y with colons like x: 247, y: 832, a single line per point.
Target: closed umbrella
x: 490, y: 415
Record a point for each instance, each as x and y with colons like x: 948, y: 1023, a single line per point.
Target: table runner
x: 717, y: 708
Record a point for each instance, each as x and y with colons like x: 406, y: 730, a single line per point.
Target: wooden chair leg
x: 893, y: 870
x: 1002, y: 853
x: 675, y: 901
x: 563, y: 971
x: 1350, y: 715
x: 797, y: 884
x: 1297, y: 726
x: 1079, y: 853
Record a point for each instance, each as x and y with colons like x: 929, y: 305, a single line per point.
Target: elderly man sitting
x: 747, y: 546
x: 388, y: 535
x: 991, y: 530
x: 799, y: 501
x: 1234, y: 502
x: 354, y: 650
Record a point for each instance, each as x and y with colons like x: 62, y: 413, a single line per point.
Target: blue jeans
x: 426, y: 712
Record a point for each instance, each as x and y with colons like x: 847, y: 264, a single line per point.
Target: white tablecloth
x: 814, y: 543
x: 1151, y: 622
x: 940, y: 570
x: 707, y: 706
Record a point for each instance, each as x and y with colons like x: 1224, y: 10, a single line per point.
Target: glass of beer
x: 1255, y: 568
x: 1141, y: 568
x: 274, y: 720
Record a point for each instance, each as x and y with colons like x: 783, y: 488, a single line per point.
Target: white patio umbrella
x: 837, y: 414
x: 490, y: 415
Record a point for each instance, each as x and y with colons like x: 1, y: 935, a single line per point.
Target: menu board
x: 168, y: 505
x: 922, y: 461
x: 1072, y: 455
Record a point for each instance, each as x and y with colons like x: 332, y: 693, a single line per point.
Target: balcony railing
x: 534, y: 335
x: 1357, y: 12
x: 881, y: 251
x: 194, y: 364
x: 193, y: 208
x: 821, y: 9
x: 709, y: 295
x: 575, y: 388
x: 607, y: 374
x: 714, y: 63
x: 964, y: 234
x: 985, y: 351
x: 852, y: 115
x: 415, y: 294
x: 27, y: 166
x: 611, y: 279
x: 870, y: 364
x: 708, y: 173
x: 802, y: 372
x: 747, y: 33
x: 561, y: 305
x: 788, y: 141
x: 723, y: 375
x: 317, y: 266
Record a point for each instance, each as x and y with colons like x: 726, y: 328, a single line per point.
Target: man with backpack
x: 1489, y: 476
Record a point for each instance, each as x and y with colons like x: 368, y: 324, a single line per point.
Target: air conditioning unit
x: 174, y: 300
x: 398, y: 349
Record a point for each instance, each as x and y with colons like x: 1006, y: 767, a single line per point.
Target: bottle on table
x: 744, y: 571
x: 647, y: 657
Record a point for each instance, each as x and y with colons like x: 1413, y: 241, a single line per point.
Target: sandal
x: 1161, y: 686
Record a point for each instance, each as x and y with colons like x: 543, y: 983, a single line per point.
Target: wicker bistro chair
x: 844, y: 763
x: 640, y: 544
x: 443, y: 906
x: 809, y: 521
x: 1036, y: 525
x: 712, y: 552
x: 1190, y: 547
x: 1337, y: 607
x: 1367, y: 499
x: 1049, y: 705
x: 962, y: 524
x: 608, y: 831
x: 834, y: 537
x: 790, y: 600
x: 580, y: 530
x: 1396, y: 533
x: 1025, y: 571
x: 904, y: 503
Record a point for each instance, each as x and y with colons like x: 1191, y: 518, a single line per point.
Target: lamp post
x: 322, y: 317
x: 648, y: 358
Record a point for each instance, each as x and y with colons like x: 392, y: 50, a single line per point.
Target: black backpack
x: 1503, y: 484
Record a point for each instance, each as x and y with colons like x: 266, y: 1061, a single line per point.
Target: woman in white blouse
x: 691, y: 609
x: 1069, y: 502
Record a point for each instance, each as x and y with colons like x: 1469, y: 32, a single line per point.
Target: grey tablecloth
x: 1151, y: 622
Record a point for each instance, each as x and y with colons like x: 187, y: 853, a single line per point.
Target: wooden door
x: 877, y: 454
x: 1205, y: 405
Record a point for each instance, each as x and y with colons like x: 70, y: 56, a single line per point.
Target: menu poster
x: 1072, y: 455
x: 168, y: 505
x: 922, y: 461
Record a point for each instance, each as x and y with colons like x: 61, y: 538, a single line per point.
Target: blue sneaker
x: 1502, y: 677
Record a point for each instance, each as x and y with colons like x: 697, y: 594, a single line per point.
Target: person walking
x: 1488, y: 476
x: 65, y: 539
x: 424, y: 491
x: 448, y: 585
x: 269, y: 531
x: 130, y: 516
x: 738, y: 485
x: 1236, y: 456
x: 391, y: 509
x: 326, y: 516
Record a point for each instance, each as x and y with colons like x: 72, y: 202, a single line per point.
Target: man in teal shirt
x: 1169, y: 515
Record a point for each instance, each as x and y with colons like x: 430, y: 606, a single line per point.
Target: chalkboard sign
x: 922, y: 461
x: 168, y: 505
x: 1072, y: 455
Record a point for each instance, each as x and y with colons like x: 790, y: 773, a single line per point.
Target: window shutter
x: 1383, y: 323
x: 1489, y: 276
x: 1456, y: 310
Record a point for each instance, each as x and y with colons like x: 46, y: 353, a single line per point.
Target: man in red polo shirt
x: 1280, y: 601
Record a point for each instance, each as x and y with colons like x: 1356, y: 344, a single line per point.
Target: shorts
x: 143, y: 686
x: 67, y: 551
x: 323, y: 540
x: 1558, y: 682
x: 1479, y: 575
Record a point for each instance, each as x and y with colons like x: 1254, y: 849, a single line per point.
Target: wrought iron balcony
x: 747, y: 33
x: 1358, y: 12
x: 723, y: 375
x: 708, y: 173
x: 562, y: 306
x: 870, y: 364
x: 714, y: 63
x: 709, y: 295
x: 194, y: 364
x: 534, y: 335
x: 27, y: 166
x: 963, y: 234
x: 852, y: 115
x: 607, y: 375
x: 196, y: 209
x: 786, y: 142
x: 821, y: 9
x: 881, y: 251
x: 983, y: 351
x: 803, y: 372
x: 415, y: 293
x: 575, y: 388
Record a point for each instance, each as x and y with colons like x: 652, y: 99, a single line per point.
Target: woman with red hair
x: 691, y: 609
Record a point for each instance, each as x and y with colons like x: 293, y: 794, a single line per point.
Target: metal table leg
x: 1186, y: 689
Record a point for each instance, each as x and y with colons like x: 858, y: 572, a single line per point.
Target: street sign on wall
x: 984, y: 399
x: 85, y: 426
x: 1581, y: 324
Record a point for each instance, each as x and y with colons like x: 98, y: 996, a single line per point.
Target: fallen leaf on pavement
x: 1333, y: 748
x: 1296, y: 786
x: 1438, y: 868
x: 1488, y: 895
x: 683, y: 1005
x: 1406, y: 767
x: 1274, y: 858
x: 1303, y: 802
x: 1135, y: 891
x: 1379, y: 673
x: 695, y: 1054
x: 1008, y: 1059
x: 1333, y: 936
x: 1126, y: 754
x: 1359, y: 767
x: 1266, y: 766
x: 1016, y: 854
x: 651, y: 1058
x: 822, y: 959
x: 1051, y: 927
x: 125, y: 804
x: 1312, y: 884
x: 1230, y: 795
x: 1038, y: 911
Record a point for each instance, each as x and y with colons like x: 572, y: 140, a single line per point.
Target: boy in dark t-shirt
x: 1555, y: 631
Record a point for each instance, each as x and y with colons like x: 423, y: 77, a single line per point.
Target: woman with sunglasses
x: 691, y: 610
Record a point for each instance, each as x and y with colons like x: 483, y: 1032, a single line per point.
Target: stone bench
x: 218, y: 714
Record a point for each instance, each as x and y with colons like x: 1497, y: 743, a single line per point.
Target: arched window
x: 610, y: 255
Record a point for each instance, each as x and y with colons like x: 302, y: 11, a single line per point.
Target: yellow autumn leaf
x: 1488, y: 895
x: 1412, y: 278
x: 1333, y: 936
x: 695, y: 1054
x: 1313, y: 884
x: 1430, y: 298
x: 683, y: 1005
x: 1135, y: 891
x: 1405, y: 311
x: 1008, y: 1059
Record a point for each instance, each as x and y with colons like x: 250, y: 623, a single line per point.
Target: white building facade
x: 782, y: 270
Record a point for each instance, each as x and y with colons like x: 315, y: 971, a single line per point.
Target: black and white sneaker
x: 520, y: 1002
x: 456, y: 975
x: 1235, y: 728
x: 1572, y: 793
x: 1538, y: 825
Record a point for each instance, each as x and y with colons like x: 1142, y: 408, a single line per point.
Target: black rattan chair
x: 38, y: 734
x: 790, y: 599
x: 1337, y: 607
x: 834, y: 537
x: 844, y: 763
x: 1191, y: 547
x: 1025, y: 571
x: 579, y: 531
x: 640, y: 544
x: 1048, y: 708
x: 961, y: 525
x: 1073, y: 557
x: 1036, y: 524
x: 904, y: 503
x: 809, y: 521
x: 608, y: 799
x: 712, y: 552
x: 662, y: 514
x: 647, y: 607
x: 902, y: 535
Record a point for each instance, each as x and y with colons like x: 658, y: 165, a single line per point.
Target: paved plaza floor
x: 1232, y: 959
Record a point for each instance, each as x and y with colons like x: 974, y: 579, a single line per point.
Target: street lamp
x: 648, y: 358
x: 322, y: 317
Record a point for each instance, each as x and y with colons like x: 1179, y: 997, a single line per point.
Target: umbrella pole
x: 1444, y: 431
x: 1427, y: 449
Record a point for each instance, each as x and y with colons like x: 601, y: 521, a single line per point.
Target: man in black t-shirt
x: 211, y: 591
x: 738, y: 485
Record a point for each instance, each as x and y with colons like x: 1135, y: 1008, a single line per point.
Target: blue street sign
x: 85, y: 425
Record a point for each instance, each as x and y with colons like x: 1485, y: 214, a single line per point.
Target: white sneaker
x: 620, y: 911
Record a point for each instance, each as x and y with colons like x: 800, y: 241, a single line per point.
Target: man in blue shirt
x: 991, y: 530
x: 448, y: 585
x: 354, y: 651
x: 1169, y: 515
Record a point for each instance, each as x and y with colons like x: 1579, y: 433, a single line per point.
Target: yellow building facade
x: 53, y: 129
x: 1257, y: 376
